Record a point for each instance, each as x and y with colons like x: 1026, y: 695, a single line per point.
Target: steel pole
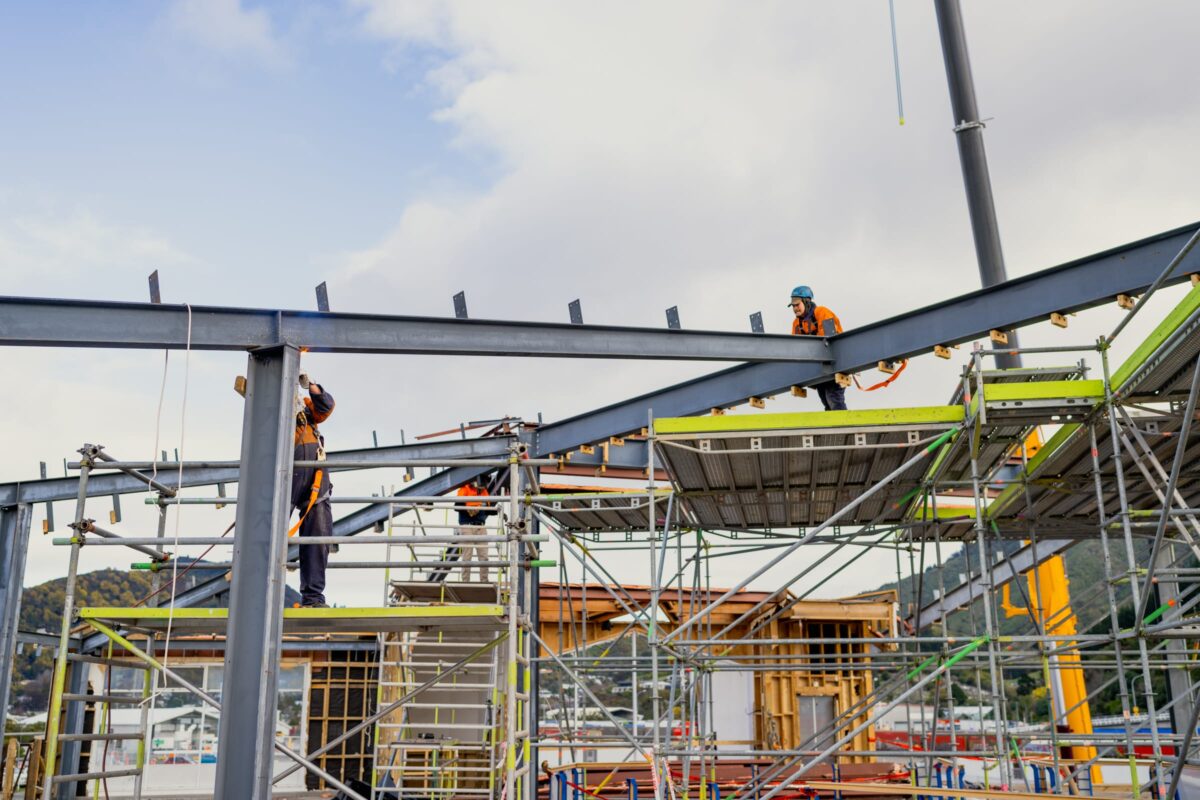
x: 247, y: 727
x: 968, y: 130
x: 64, y: 644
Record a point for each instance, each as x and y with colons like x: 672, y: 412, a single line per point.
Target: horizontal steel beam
x: 101, y: 484
x: 1003, y: 572
x: 40, y: 322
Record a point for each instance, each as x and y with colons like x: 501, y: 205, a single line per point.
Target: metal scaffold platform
x: 309, y: 620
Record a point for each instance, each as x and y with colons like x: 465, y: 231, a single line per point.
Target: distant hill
x: 41, y: 610
x: 1089, y: 600
x: 1085, y: 573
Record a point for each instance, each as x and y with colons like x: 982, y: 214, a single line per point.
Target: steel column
x: 14, y: 544
x: 244, y: 763
x: 968, y: 129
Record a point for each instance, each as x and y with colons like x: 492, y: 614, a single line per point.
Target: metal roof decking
x: 762, y: 471
x: 791, y: 470
x: 586, y: 512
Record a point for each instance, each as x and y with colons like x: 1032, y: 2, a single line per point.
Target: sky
x: 633, y: 156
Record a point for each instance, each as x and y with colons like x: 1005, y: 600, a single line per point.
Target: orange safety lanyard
x: 312, y: 501
x: 883, y: 383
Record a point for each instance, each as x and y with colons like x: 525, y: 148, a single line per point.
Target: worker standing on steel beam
x: 471, y: 521
x: 310, y: 491
x: 814, y: 320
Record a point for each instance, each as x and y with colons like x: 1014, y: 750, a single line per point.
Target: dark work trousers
x: 833, y: 397
x: 314, y: 557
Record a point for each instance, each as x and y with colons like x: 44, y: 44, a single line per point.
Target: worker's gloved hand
x: 304, y: 380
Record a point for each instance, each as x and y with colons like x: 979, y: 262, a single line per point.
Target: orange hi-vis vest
x: 470, y: 491
x: 816, y: 325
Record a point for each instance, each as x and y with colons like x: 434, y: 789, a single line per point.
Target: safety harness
x: 317, y: 478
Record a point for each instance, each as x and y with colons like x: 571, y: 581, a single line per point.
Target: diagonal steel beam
x: 1004, y: 571
x: 1086, y: 282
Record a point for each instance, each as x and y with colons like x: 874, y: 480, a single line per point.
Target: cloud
x: 75, y: 249
x: 228, y: 28
x: 696, y: 154
x: 712, y: 157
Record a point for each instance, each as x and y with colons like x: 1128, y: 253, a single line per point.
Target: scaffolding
x: 473, y: 623
x: 1121, y: 468
x: 803, y: 497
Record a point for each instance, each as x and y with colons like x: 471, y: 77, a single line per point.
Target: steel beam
x: 101, y: 483
x: 1002, y: 572
x: 14, y: 544
x: 256, y: 591
x: 41, y: 322
x: 630, y: 456
x: 1074, y: 286
x: 968, y: 130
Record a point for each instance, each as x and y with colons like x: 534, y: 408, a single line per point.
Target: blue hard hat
x: 803, y: 292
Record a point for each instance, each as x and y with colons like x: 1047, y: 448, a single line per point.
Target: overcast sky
x: 635, y: 156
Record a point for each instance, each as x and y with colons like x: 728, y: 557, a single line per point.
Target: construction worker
x: 471, y: 521
x: 310, y: 490
x: 814, y: 320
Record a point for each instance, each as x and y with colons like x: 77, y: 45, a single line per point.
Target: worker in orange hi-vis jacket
x: 471, y: 522
x: 310, y: 490
x: 814, y: 320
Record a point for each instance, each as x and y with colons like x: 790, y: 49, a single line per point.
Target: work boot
x: 314, y: 605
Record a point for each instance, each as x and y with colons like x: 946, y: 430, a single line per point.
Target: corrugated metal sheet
x: 795, y: 478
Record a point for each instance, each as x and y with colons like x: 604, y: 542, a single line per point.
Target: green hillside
x: 1084, y: 561
x: 41, y: 611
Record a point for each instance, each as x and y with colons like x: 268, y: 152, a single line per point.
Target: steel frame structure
x: 273, y: 337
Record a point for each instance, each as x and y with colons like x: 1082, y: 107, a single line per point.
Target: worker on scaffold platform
x: 310, y: 491
x: 472, y: 519
x: 814, y: 320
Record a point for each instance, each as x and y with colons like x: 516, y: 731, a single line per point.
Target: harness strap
x: 312, y: 501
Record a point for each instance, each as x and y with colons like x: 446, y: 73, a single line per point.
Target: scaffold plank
x: 1043, y: 390
x: 806, y: 420
x: 308, y: 620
